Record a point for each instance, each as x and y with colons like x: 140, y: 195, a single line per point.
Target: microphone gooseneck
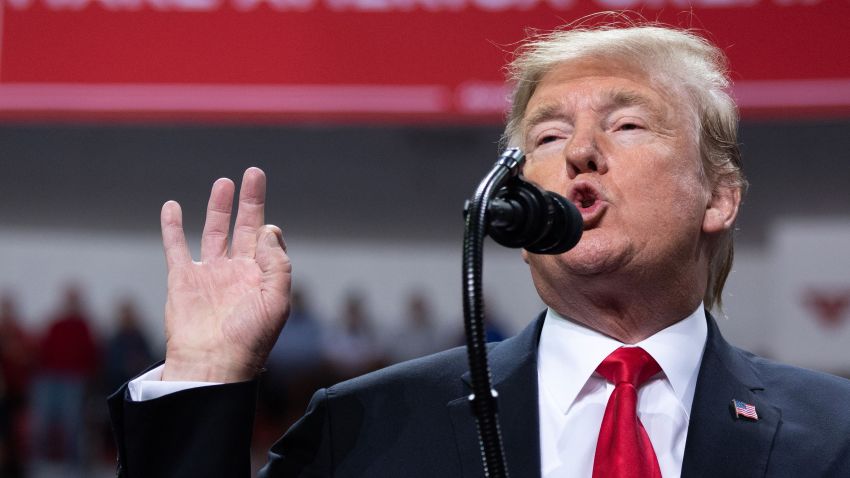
x: 516, y: 214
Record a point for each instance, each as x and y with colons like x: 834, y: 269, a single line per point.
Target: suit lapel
x: 718, y: 443
x: 513, y: 366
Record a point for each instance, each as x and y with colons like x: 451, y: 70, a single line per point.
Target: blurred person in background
x: 127, y: 350
x: 419, y: 334
x: 352, y: 346
x: 17, y: 356
x: 7, y: 466
x: 493, y: 328
x: 67, y: 368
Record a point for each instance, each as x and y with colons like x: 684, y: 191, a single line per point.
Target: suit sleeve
x: 202, y: 432
x: 305, y: 451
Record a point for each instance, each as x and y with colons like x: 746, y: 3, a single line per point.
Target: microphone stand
x: 483, y: 399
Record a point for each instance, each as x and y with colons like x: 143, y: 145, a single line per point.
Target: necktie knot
x: 631, y: 365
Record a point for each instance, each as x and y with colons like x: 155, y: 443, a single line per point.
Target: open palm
x: 225, y: 312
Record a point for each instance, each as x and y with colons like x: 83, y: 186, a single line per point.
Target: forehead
x: 601, y: 83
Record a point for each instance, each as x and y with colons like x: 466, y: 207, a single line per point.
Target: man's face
x: 625, y: 152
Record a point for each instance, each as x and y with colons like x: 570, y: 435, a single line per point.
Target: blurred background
x: 374, y: 120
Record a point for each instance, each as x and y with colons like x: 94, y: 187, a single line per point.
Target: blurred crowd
x: 54, y: 381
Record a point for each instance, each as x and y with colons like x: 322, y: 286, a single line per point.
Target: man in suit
x: 624, y: 374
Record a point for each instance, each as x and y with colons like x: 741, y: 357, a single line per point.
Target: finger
x: 273, y: 262
x: 217, y: 225
x: 251, y: 213
x: 173, y: 238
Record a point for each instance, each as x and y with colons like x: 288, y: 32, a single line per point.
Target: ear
x: 721, y: 210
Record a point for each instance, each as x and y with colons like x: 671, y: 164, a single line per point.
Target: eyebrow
x: 625, y: 98
x: 545, y: 113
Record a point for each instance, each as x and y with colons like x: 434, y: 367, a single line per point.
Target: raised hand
x: 224, y: 313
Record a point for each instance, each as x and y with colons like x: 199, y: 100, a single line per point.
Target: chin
x: 595, y: 256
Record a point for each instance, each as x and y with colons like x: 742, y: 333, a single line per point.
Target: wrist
x: 206, y: 369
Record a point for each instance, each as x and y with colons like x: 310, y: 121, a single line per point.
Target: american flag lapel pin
x: 744, y: 410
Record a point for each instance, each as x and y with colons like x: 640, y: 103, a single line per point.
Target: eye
x: 628, y: 126
x: 547, y: 139
x: 549, y: 136
x: 547, y: 133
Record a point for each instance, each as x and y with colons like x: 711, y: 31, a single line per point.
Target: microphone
x: 516, y: 214
x: 524, y: 215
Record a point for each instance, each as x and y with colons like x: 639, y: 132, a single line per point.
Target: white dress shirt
x: 572, y: 396
x: 150, y: 385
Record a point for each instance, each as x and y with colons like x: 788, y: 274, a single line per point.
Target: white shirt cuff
x: 150, y: 385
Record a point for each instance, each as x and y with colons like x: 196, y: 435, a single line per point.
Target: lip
x: 589, y: 201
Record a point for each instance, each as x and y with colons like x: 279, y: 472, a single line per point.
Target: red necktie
x: 624, y: 449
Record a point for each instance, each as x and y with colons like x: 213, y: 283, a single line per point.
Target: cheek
x: 550, y: 175
x: 679, y: 205
x: 667, y: 169
x: 664, y: 193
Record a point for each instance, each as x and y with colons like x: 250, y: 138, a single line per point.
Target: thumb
x: 272, y: 259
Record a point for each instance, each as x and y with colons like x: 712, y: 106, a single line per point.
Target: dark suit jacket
x: 413, y: 420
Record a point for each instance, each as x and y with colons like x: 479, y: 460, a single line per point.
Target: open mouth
x: 584, y: 196
x: 589, y: 202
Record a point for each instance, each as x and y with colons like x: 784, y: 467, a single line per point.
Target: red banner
x: 370, y: 59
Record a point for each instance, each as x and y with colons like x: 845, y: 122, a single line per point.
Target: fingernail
x: 274, y: 238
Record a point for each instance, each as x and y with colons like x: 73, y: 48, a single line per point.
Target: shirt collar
x: 569, y: 353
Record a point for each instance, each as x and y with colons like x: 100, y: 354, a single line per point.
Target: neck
x: 626, y: 310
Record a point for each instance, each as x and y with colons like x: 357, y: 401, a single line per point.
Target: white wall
x: 768, y: 299
x: 35, y: 266
x: 762, y: 312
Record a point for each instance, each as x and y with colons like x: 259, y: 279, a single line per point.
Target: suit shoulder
x: 440, y: 370
x: 780, y: 375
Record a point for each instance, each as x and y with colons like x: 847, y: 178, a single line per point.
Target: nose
x: 582, y: 154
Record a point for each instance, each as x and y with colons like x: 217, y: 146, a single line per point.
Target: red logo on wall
x: 829, y: 306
